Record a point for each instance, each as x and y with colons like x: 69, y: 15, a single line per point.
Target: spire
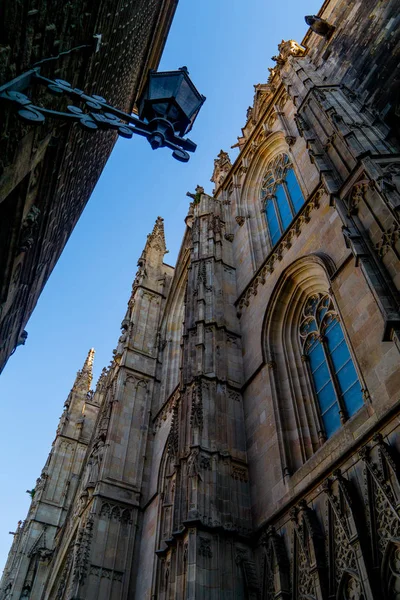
x: 152, y: 257
x: 85, y: 375
x: 156, y: 239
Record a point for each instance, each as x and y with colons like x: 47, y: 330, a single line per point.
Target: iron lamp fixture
x: 168, y: 108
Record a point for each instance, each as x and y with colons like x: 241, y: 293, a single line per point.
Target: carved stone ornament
x: 309, y: 551
x: 222, y: 166
x: 244, y: 559
x: 389, y: 184
x: 197, y: 194
x: 205, y: 547
x: 28, y: 229
x: 276, y: 566
x: 287, y: 49
x: 82, y: 551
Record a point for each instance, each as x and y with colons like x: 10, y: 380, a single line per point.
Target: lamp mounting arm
x: 93, y: 115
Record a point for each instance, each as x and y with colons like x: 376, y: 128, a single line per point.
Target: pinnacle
x: 85, y: 376
x: 157, y: 233
x: 88, y: 365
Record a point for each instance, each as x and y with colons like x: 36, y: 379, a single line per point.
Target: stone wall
x: 47, y: 173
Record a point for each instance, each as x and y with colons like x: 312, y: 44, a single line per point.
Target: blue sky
x: 227, y: 46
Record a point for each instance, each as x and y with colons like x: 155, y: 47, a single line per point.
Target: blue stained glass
x: 335, y: 333
x: 290, y: 189
x: 347, y: 376
x: 294, y: 190
x: 331, y: 420
x: 283, y: 207
x: 321, y: 376
x: 353, y: 398
x: 273, y: 223
x: 326, y: 396
x: 336, y: 378
x: 316, y: 355
x: 344, y: 368
x: 339, y: 355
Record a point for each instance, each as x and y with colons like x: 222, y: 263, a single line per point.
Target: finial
x: 85, y: 376
x: 156, y: 239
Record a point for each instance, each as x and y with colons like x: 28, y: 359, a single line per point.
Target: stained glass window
x: 332, y: 371
x: 282, y: 196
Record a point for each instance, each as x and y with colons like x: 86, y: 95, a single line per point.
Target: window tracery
x: 331, y: 367
x: 282, y: 196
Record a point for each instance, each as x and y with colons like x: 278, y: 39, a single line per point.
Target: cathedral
x: 244, y: 442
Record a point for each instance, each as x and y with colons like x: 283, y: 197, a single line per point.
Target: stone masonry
x: 203, y: 467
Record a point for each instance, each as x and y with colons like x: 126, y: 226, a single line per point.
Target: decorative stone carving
x: 277, y: 566
x: 222, y: 166
x: 28, y: 229
x: 201, y: 283
x: 116, y: 512
x: 205, y: 547
x: 239, y: 473
x: 82, y: 551
x: 244, y: 560
x: 287, y: 49
x: 94, y: 464
x: 121, y: 340
x: 260, y: 277
x: 388, y: 240
x: 110, y: 574
x: 173, y: 437
x: 197, y: 195
x: 389, y: 184
x: 309, y: 551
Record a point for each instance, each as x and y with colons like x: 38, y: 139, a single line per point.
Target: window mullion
x: 335, y: 382
x: 317, y: 413
x: 278, y: 214
x: 291, y: 206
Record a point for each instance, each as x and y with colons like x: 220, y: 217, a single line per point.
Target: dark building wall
x: 49, y: 172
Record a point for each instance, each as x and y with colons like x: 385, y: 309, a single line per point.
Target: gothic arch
x: 350, y: 586
x: 249, y: 203
x: 164, y: 573
x: 171, y: 337
x: 61, y: 571
x: 298, y: 423
x: 166, y: 488
x: 390, y: 571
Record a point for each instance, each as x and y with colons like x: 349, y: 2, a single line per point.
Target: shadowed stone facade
x: 48, y: 172
x: 215, y: 468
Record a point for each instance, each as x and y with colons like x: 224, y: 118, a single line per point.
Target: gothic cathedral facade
x: 244, y: 442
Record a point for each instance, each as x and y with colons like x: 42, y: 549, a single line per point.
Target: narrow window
x: 282, y: 195
x: 332, y: 371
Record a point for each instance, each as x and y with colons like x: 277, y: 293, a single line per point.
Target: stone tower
x: 37, y: 537
x: 247, y: 443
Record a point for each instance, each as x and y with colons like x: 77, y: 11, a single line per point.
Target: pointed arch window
x: 331, y: 367
x: 282, y: 195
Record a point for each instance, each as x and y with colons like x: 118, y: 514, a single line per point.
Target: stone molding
x: 279, y: 249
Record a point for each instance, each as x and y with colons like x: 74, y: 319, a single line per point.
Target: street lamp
x: 168, y: 108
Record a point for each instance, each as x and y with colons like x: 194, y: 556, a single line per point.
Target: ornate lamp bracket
x: 98, y: 116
